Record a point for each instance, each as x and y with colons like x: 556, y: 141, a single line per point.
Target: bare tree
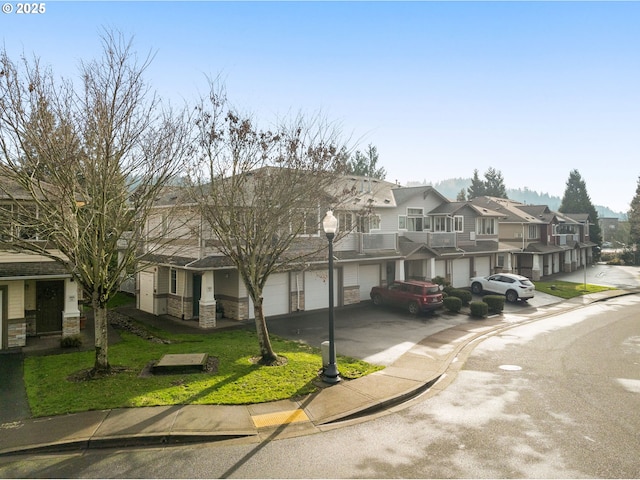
x: 263, y: 193
x: 93, y: 161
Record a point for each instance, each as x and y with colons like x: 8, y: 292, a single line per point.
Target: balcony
x: 375, y: 242
x: 433, y: 239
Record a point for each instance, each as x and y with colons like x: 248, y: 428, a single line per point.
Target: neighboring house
x: 37, y: 295
x: 546, y: 242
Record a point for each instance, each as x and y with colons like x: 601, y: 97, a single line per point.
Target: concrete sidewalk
x: 429, y: 366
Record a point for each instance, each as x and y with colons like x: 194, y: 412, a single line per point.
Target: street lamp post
x: 330, y: 373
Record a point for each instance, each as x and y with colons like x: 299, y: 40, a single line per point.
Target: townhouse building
x: 38, y: 296
x: 545, y: 242
x: 402, y: 233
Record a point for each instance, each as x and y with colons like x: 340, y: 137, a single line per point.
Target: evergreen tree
x: 494, y: 184
x: 634, y: 224
x: 477, y: 187
x: 366, y: 164
x: 577, y: 200
x: 462, y: 196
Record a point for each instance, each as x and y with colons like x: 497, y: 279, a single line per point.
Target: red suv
x: 415, y: 295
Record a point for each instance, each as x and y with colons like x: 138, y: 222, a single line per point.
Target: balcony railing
x: 372, y: 242
x: 433, y: 239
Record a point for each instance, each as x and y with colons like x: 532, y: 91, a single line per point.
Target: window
x: 486, y: 226
x: 305, y: 222
x: 366, y: 223
x: 440, y: 224
x: 413, y: 221
x: 458, y: 223
x: 173, y: 282
x: 534, y: 231
x: 500, y: 261
x: 345, y: 221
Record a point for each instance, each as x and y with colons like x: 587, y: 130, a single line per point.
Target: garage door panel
x: 461, y: 273
x: 483, y: 267
x: 275, y: 296
x: 316, y: 289
x: 368, y: 277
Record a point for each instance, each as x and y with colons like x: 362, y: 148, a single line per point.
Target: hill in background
x: 451, y: 187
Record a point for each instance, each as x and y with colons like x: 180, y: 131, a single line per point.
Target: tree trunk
x: 268, y: 356
x: 101, y: 342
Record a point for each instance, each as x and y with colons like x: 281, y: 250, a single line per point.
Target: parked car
x: 514, y: 287
x: 414, y: 295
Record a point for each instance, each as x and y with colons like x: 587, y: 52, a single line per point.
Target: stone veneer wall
x: 16, y: 333
x: 296, y: 301
x: 70, y: 326
x: 351, y: 295
x: 207, y: 317
x: 30, y: 319
x: 235, y: 309
x: 175, y: 307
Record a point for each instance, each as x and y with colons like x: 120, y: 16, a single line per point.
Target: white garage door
x: 146, y: 292
x: 461, y: 273
x: 275, y: 296
x: 316, y: 289
x: 483, y: 266
x: 368, y: 277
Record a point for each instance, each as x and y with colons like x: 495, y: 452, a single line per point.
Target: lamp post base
x: 330, y: 374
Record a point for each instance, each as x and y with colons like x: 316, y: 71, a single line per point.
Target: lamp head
x: 330, y: 223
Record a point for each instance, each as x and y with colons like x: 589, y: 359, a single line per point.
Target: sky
x: 532, y: 89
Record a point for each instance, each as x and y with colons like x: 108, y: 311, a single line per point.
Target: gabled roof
x: 402, y: 194
x: 451, y: 208
x: 512, y: 211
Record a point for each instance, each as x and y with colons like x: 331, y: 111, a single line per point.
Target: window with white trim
x: 366, y: 223
x: 345, y: 221
x: 173, y: 281
x: 413, y: 221
x: 458, y: 223
x: 486, y: 226
x: 534, y: 231
x: 440, y: 224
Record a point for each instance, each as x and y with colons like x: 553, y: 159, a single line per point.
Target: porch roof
x: 32, y: 270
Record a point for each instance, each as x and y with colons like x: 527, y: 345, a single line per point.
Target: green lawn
x: 237, y: 381
x: 568, y: 289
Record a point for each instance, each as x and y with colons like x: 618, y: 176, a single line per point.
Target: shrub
x: 440, y: 281
x: 452, y: 304
x: 72, y: 341
x: 464, y: 295
x: 494, y: 302
x: 479, y: 309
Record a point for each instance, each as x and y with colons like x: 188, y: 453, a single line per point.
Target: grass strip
x: 51, y: 389
x: 568, y: 290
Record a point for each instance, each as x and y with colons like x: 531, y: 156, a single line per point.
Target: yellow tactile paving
x: 279, y: 418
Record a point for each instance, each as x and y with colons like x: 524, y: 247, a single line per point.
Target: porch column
x: 430, y: 267
x: 400, y: 275
x: 71, y: 313
x: 509, y: 266
x: 535, y: 268
x: 207, y: 302
x: 566, y: 268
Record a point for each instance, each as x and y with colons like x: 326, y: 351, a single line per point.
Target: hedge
x: 464, y: 295
x: 494, y: 302
x: 479, y: 309
x: 452, y: 304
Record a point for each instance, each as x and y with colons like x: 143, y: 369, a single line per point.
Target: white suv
x: 515, y: 287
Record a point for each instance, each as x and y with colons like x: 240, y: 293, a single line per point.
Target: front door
x: 49, y: 306
x: 197, y: 293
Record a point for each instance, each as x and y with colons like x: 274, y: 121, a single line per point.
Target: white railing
x: 433, y: 239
